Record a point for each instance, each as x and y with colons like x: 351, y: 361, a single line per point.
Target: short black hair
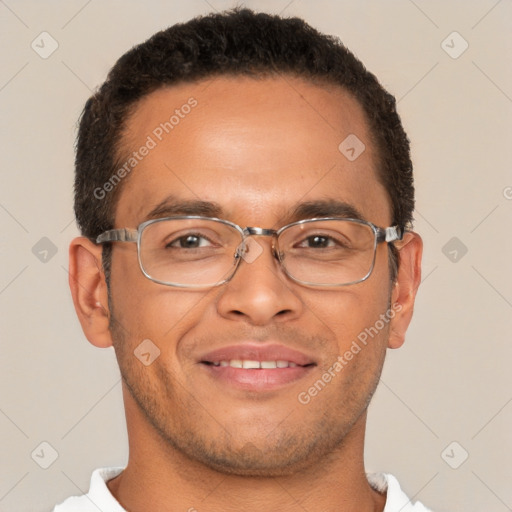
x: 238, y: 42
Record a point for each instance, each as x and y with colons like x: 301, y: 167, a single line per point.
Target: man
x: 245, y: 192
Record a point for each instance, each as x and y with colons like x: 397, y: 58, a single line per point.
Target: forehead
x: 255, y: 147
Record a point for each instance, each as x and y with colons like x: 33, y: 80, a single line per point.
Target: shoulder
x: 396, y: 499
x: 98, y: 498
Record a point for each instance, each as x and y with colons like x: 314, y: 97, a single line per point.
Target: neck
x: 163, y: 477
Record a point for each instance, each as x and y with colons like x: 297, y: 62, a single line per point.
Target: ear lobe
x: 405, y: 288
x: 89, y: 290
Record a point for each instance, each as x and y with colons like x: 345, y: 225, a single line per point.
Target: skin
x: 257, y: 148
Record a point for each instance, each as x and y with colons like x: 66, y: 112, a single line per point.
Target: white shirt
x: 99, y: 497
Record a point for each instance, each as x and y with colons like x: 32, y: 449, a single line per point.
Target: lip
x: 256, y: 379
x: 258, y: 352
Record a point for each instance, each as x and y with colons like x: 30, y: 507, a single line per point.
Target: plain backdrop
x: 442, y: 416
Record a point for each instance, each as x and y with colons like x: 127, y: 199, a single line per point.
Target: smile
x: 255, y: 365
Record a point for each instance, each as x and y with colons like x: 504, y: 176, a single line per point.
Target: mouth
x: 256, y: 368
x: 251, y: 364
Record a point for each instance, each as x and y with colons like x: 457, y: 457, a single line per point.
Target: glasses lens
x: 328, y: 252
x: 189, y: 252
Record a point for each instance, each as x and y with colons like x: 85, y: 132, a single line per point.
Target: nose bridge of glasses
x: 259, y: 231
x: 245, y: 245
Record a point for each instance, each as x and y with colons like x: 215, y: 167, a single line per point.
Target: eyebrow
x: 171, y: 206
x: 325, y: 208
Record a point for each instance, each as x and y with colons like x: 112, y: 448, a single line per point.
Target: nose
x: 259, y: 293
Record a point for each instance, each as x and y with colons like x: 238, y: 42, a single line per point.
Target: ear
x: 89, y: 290
x: 405, y: 288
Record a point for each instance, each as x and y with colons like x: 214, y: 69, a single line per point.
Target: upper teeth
x: 248, y: 363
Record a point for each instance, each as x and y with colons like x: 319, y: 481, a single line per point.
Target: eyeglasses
x: 200, y: 252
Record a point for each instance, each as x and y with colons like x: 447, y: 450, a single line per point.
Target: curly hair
x: 239, y: 42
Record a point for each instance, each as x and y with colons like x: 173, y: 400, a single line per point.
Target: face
x: 251, y: 152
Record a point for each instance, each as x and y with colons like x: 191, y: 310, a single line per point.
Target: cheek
x: 349, y: 372
x: 148, y: 310
x: 353, y: 319
x: 348, y: 312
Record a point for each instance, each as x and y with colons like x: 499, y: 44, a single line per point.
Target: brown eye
x: 190, y: 241
x: 318, y: 242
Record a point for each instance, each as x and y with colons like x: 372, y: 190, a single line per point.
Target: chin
x: 251, y: 462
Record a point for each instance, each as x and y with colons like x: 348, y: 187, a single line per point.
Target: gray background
x: 449, y: 383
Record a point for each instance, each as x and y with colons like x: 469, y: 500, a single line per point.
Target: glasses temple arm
x: 118, y: 235
x: 391, y: 234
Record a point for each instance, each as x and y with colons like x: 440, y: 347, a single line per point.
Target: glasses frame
x: 381, y: 235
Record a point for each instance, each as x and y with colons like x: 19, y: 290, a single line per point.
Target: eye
x: 318, y: 242
x: 189, y: 241
x: 321, y: 241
